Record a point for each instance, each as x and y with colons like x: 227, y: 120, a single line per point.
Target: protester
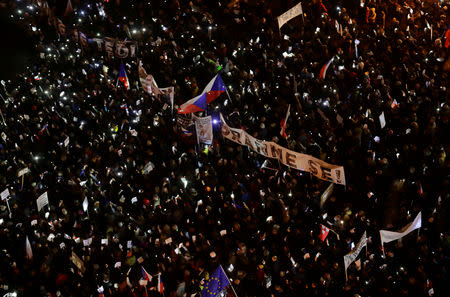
x: 136, y: 207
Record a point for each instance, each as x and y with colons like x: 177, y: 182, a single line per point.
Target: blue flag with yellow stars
x: 215, y: 284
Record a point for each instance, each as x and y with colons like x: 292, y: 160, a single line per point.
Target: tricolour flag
x: 211, y: 92
x: 324, y: 232
x: 388, y: 236
x: 283, y: 123
x: 123, y: 77
x: 323, y: 70
x: 146, y: 275
x: 217, y: 282
x: 28, y: 249
x: 160, y: 286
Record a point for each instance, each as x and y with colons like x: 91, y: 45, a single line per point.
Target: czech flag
x: 212, y: 91
x: 160, y: 287
x: 324, y: 69
x: 123, y: 77
x: 145, y: 275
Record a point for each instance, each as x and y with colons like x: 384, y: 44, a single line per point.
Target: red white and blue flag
x: 211, y: 92
x: 145, y: 275
x: 324, y: 69
x: 123, y: 77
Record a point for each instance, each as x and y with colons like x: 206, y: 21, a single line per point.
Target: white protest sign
x: 203, y: 127
x: 350, y: 257
x: 42, y: 201
x: 23, y: 171
x: 290, y: 14
x: 5, y: 194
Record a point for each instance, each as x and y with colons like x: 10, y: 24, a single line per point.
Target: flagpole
x: 346, y: 278
x: 228, y: 281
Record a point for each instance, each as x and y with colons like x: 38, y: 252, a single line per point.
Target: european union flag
x: 216, y: 283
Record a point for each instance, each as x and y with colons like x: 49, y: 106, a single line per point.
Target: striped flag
x: 323, y: 70
x: 123, y: 77
x: 160, y: 284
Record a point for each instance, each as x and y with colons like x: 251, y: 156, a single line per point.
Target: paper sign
x: 23, y: 171
x: 5, y: 194
x: 42, y: 201
x: 382, y: 120
x: 168, y: 240
x: 105, y: 241
x: 87, y: 242
x: 129, y: 244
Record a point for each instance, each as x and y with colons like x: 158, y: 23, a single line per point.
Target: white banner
x: 350, y: 257
x: 290, y: 14
x: 115, y: 47
x: 303, y: 162
x: 42, y: 201
x: 203, y: 128
x: 388, y: 236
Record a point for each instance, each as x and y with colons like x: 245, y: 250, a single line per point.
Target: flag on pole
x: 324, y: 232
x: 28, y: 249
x: 388, y: 236
x: 284, y: 122
x: 323, y: 70
x: 215, y: 284
x: 145, y: 275
x: 326, y: 194
x: 350, y: 257
x: 160, y: 284
x: 211, y: 92
x: 123, y: 77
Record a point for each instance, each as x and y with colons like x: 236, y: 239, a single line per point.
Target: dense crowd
x: 158, y: 200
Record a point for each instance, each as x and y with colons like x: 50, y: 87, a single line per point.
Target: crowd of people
x: 129, y: 191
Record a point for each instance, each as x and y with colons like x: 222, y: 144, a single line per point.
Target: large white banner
x: 350, y: 257
x: 388, y: 236
x: 290, y: 14
x: 303, y: 162
x: 116, y: 48
x: 203, y: 127
x: 42, y: 201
